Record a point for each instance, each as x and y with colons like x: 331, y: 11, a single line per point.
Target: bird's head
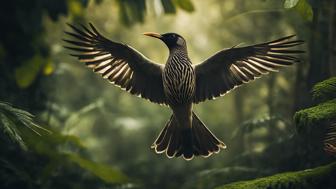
x: 172, y: 40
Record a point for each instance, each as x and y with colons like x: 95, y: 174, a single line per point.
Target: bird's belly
x: 179, y: 87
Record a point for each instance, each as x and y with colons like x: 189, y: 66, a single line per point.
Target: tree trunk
x: 321, y: 49
x: 332, y: 38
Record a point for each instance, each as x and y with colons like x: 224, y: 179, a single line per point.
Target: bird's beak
x: 153, y: 34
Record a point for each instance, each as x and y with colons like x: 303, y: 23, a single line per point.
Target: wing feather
x: 120, y: 64
x: 230, y: 68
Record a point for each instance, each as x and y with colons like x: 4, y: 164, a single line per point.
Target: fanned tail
x: 178, y: 141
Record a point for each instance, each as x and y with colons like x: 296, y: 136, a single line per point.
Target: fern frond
x: 11, y: 119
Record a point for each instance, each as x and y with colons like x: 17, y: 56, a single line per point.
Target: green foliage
x: 320, y: 177
x: 325, y: 90
x: 305, y: 10
x: 12, y: 118
x: 103, y: 171
x: 53, y: 151
x: 168, y: 6
x: 131, y: 12
x: 46, y: 146
x: 185, y: 5
x: 290, y: 3
x: 75, y: 117
x: 29, y: 67
x: 25, y: 52
x: 302, y: 7
x: 26, y: 74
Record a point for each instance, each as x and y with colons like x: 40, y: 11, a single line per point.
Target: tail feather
x: 187, y: 144
x: 209, y: 141
x: 204, y: 147
x: 174, y: 144
x: 164, y: 137
x: 162, y: 133
x: 175, y: 140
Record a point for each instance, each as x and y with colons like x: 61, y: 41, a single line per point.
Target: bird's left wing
x: 230, y: 68
x: 119, y: 63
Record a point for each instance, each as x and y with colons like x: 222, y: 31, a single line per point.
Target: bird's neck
x: 180, y: 52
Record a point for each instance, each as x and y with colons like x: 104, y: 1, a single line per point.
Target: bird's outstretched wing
x: 119, y: 63
x: 230, y: 68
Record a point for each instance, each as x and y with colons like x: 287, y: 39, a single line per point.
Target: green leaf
x: 168, y: 6
x: 26, y: 74
x: 123, y: 16
x: 105, y: 172
x: 304, y: 9
x: 290, y: 3
x: 185, y: 5
x: 131, y: 12
x: 45, y: 145
x: 48, y: 68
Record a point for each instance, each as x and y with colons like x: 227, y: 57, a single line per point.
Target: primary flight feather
x: 180, y: 84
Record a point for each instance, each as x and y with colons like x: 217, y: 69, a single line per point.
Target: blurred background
x: 101, y: 136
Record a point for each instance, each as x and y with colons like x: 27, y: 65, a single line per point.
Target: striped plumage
x: 179, y: 84
x: 179, y: 78
x: 330, y: 139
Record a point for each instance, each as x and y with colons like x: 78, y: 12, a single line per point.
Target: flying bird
x: 179, y: 84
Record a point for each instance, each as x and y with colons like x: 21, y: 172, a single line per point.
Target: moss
x: 308, y: 118
x: 325, y: 90
x: 320, y: 177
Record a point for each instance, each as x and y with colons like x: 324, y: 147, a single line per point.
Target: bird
x: 179, y: 84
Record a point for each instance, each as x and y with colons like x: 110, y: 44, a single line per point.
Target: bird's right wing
x: 233, y: 67
x: 119, y: 63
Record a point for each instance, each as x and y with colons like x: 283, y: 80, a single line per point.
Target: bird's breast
x: 179, y: 81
